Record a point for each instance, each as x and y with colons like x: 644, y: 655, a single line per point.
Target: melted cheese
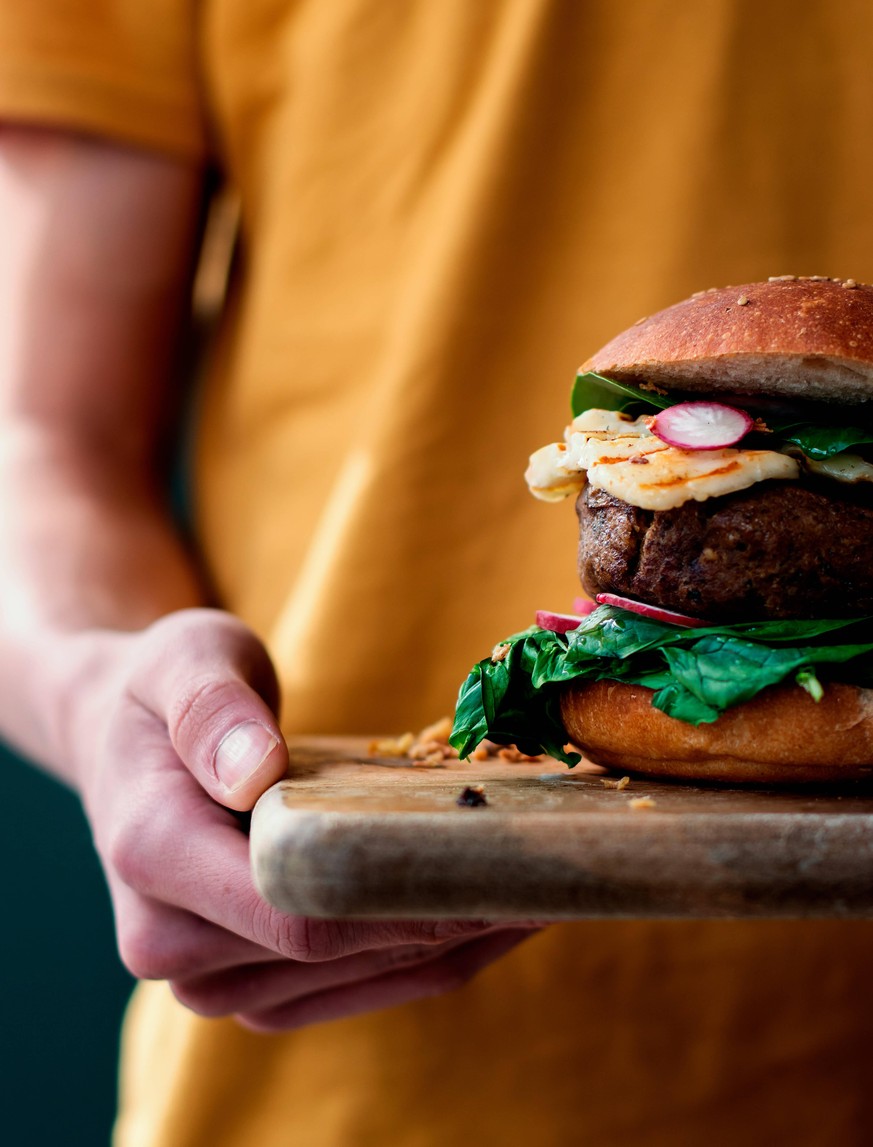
x: 843, y: 468
x: 621, y: 456
x: 552, y: 474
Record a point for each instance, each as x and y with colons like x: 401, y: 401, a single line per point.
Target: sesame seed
x: 782, y: 279
x: 849, y: 284
x: 743, y: 301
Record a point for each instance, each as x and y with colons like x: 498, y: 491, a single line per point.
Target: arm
x: 97, y: 247
x: 111, y: 675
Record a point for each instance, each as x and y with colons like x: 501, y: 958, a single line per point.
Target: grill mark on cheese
x: 731, y: 468
x: 611, y: 459
x: 602, y: 448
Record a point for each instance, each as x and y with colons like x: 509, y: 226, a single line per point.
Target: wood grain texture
x: 347, y: 835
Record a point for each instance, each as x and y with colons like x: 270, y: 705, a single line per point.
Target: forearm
x: 84, y: 542
x: 97, y: 247
x: 83, y: 547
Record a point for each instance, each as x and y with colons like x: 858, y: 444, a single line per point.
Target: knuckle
x: 190, y: 628
x: 160, y: 943
x: 198, y: 635
x: 267, y: 1023
x: 299, y: 938
x: 129, y: 854
x: 287, y: 935
x: 195, y: 714
x: 204, y: 999
x: 135, y: 845
x: 147, y: 955
x: 314, y: 941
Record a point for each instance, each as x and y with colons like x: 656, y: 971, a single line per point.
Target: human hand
x: 172, y: 728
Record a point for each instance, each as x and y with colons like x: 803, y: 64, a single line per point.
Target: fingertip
x: 249, y: 758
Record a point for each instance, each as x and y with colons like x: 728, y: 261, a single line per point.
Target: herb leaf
x: 696, y: 674
x: 820, y: 442
x: 592, y: 390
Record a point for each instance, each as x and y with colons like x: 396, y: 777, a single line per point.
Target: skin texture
x: 113, y: 674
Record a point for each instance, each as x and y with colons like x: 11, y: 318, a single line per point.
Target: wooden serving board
x: 349, y: 835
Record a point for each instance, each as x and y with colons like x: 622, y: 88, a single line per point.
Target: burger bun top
x: 801, y: 338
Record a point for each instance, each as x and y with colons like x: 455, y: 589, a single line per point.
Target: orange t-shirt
x: 446, y: 205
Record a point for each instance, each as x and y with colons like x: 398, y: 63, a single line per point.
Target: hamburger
x: 721, y: 457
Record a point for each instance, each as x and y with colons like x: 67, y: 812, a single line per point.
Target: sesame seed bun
x: 781, y: 736
x: 808, y: 338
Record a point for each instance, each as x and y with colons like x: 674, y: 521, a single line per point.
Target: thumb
x: 209, y: 679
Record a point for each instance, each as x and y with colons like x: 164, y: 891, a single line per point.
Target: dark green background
x: 64, y: 989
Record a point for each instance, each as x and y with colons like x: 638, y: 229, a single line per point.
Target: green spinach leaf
x: 695, y: 674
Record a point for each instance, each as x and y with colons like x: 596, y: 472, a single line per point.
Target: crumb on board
x: 391, y: 746
x: 515, y: 756
x: 612, y: 783
x: 431, y: 749
x: 641, y: 804
x: 473, y: 796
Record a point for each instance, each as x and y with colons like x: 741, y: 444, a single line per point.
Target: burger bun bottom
x: 782, y: 736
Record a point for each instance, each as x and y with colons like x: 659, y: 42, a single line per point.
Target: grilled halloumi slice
x: 621, y: 456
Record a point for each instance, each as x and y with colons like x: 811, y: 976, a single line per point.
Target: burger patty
x: 777, y: 550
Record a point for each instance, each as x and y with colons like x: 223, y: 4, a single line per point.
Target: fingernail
x: 242, y: 752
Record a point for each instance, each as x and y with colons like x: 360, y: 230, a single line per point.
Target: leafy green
x: 522, y: 716
x: 820, y: 442
x: 595, y: 391
x: 696, y: 674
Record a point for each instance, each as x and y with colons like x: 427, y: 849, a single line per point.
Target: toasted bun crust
x: 781, y: 736
x: 806, y: 338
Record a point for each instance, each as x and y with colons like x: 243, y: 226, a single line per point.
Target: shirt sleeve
x: 127, y: 69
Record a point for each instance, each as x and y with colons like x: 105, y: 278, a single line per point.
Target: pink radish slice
x: 653, y: 611
x: 557, y: 622
x: 583, y: 606
x: 701, y: 425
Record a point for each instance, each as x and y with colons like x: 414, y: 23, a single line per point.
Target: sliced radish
x: 557, y: 622
x: 701, y: 425
x: 653, y: 611
x: 583, y: 606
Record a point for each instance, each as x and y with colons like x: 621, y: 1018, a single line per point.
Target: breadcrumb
x: 439, y: 731
x: 391, y: 746
x: 516, y: 757
x: 431, y: 749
